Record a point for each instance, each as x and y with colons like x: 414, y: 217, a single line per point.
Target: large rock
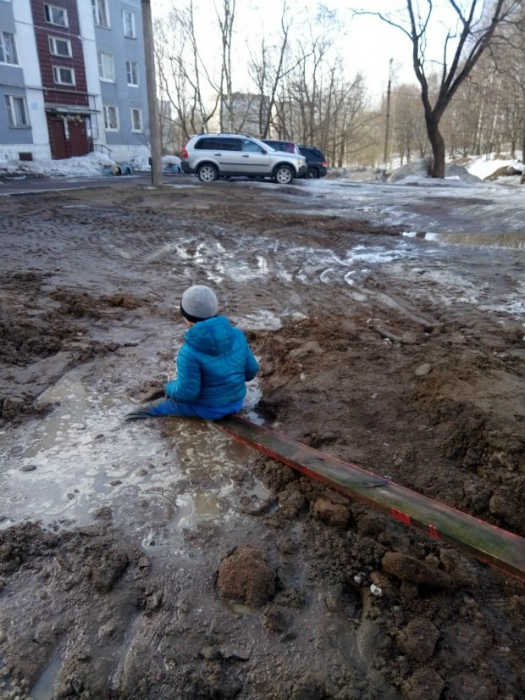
x: 245, y: 577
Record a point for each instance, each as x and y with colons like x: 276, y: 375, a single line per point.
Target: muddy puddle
x: 82, y: 457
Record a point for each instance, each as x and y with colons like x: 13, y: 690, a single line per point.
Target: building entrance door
x: 78, y: 140
x: 57, y: 137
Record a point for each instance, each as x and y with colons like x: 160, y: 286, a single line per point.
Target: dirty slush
x: 161, y: 560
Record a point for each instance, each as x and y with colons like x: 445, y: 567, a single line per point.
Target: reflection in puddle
x: 195, y: 507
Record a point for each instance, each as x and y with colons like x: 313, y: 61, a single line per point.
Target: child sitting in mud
x: 213, y: 364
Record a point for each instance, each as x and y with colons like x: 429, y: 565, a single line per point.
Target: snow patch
x: 91, y: 165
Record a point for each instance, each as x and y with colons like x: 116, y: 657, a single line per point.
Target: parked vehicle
x: 211, y: 156
x: 316, y: 165
x: 284, y: 146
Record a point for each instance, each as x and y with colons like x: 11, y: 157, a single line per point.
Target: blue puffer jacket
x: 213, y: 365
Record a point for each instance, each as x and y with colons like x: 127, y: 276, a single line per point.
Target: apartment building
x: 72, y: 79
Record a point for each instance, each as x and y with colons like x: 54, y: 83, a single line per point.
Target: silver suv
x: 211, y: 156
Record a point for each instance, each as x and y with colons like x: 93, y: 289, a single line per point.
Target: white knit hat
x: 199, y: 303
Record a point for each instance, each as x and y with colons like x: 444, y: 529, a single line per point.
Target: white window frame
x: 95, y: 4
x: 140, y: 130
x: 14, y: 54
x: 58, y: 78
x: 106, y: 109
x: 48, y: 11
x: 128, y: 13
x: 53, y: 44
x: 129, y: 73
x: 102, y: 67
x: 11, y: 112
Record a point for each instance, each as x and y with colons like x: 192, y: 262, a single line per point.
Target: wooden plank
x: 488, y: 543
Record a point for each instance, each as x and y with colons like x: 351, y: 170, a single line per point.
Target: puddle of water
x: 196, y: 507
x: 82, y: 456
x: 44, y: 688
x: 240, y: 609
x: 503, y: 240
x: 263, y: 320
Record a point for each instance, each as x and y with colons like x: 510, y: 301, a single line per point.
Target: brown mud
x: 391, y: 364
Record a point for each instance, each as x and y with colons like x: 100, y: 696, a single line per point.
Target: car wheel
x: 207, y: 172
x: 283, y: 175
x: 312, y: 173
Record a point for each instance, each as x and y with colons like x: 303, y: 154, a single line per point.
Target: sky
x: 366, y: 42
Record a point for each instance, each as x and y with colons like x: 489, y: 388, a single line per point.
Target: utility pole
x: 153, y: 108
x: 387, y: 125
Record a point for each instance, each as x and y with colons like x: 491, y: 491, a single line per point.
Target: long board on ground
x: 488, y: 543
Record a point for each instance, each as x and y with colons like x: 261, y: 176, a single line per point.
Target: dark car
x: 316, y: 165
x: 284, y: 146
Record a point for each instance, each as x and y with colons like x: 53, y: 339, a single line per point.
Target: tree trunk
x: 438, y: 147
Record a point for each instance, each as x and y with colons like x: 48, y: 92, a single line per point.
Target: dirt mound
x: 244, y: 576
x: 22, y: 341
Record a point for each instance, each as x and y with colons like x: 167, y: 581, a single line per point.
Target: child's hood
x: 212, y: 337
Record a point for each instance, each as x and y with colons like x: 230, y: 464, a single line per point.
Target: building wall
x: 33, y: 77
x: 89, y: 47
x: 124, y: 143
x: 75, y: 95
x: 22, y: 81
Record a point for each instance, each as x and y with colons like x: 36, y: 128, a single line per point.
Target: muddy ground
x: 404, y: 357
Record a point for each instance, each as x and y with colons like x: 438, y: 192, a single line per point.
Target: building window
x: 63, y: 76
x: 132, y: 70
x: 128, y: 18
x: 56, y: 15
x: 16, y: 111
x: 106, y: 66
x: 60, y: 47
x: 8, y: 48
x: 111, y: 122
x: 136, y: 120
x: 100, y: 13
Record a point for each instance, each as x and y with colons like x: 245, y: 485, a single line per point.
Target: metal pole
x: 387, y: 125
x: 153, y: 108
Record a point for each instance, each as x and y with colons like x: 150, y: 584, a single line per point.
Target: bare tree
x: 267, y: 70
x: 183, y: 75
x: 225, y: 20
x: 407, y: 122
x: 477, y: 22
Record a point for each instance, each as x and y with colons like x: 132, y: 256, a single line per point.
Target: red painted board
x: 488, y: 543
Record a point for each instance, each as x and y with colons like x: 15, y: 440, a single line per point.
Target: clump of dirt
x: 22, y: 341
x: 76, y: 304
x: 245, y: 577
